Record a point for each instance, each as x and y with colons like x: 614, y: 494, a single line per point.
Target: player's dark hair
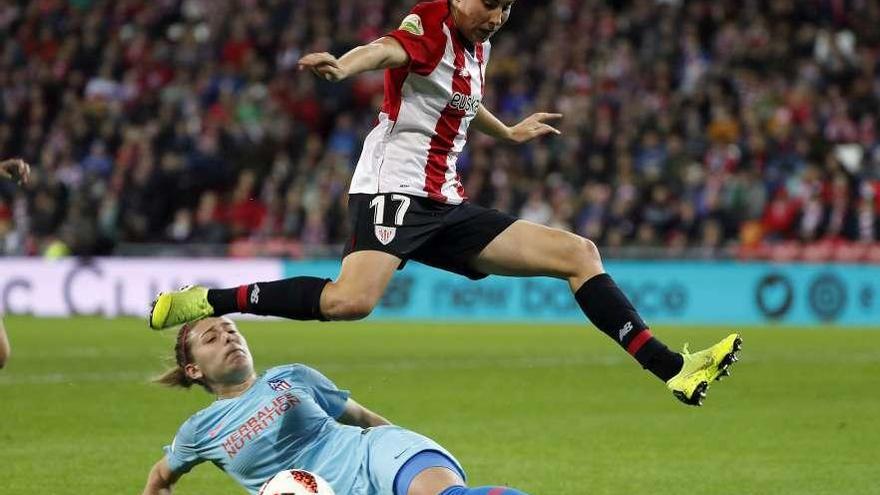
x: 176, y: 376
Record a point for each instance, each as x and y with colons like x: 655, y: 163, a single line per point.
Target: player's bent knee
x: 590, y: 250
x: 433, y: 481
x: 344, y: 302
x: 358, y: 309
x: 350, y: 308
x: 584, y: 257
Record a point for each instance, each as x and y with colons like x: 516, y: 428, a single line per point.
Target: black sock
x: 297, y: 298
x: 610, y: 310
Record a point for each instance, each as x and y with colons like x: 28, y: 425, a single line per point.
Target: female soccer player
x: 407, y: 202
x: 292, y: 417
x: 19, y: 171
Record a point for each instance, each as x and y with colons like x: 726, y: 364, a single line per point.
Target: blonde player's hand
x: 323, y: 65
x: 15, y: 169
x: 534, y: 126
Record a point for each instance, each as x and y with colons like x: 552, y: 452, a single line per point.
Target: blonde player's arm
x: 5, y: 350
x: 161, y: 479
x: 357, y: 415
x: 529, y: 128
x: 384, y: 53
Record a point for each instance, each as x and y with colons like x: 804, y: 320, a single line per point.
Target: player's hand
x: 323, y: 65
x: 15, y: 169
x: 534, y: 126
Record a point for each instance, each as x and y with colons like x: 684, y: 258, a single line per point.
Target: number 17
x: 379, y: 204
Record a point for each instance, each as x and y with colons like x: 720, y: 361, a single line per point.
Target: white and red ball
x: 296, y: 482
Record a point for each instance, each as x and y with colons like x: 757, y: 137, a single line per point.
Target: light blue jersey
x: 286, y: 420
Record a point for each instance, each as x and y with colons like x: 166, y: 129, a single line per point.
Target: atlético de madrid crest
x: 385, y: 234
x: 279, y: 385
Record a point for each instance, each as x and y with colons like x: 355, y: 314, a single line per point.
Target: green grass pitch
x: 547, y: 409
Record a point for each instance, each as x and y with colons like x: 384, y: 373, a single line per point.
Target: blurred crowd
x: 712, y: 124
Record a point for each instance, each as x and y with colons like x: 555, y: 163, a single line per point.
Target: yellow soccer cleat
x: 175, y: 308
x: 702, y: 368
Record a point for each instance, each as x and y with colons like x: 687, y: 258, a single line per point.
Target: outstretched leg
x: 528, y: 249
x: 441, y: 478
x: 352, y: 296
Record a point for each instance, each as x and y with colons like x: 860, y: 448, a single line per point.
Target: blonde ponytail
x: 174, y: 377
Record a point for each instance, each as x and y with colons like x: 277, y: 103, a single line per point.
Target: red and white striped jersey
x: 427, y: 109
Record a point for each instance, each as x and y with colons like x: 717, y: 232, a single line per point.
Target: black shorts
x: 421, y: 229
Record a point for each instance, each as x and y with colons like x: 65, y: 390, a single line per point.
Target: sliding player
x: 292, y: 417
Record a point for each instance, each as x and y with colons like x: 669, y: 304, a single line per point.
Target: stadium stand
x: 700, y: 128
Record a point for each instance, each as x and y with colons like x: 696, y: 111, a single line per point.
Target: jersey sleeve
x: 182, y: 454
x: 421, y: 35
x: 326, y: 394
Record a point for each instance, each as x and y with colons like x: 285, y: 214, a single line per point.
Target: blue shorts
x: 389, y: 449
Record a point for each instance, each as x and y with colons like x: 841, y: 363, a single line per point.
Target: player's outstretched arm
x: 18, y: 170
x: 357, y: 415
x: 15, y: 169
x: 531, y: 127
x: 384, y: 53
x: 161, y: 479
x: 5, y: 350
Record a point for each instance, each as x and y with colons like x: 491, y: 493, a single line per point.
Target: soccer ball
x: 296, y: 482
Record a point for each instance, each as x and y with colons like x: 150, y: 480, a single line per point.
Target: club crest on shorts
x: 385, y: 234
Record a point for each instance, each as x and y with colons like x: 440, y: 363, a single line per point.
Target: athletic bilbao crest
x: 385, y: 234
